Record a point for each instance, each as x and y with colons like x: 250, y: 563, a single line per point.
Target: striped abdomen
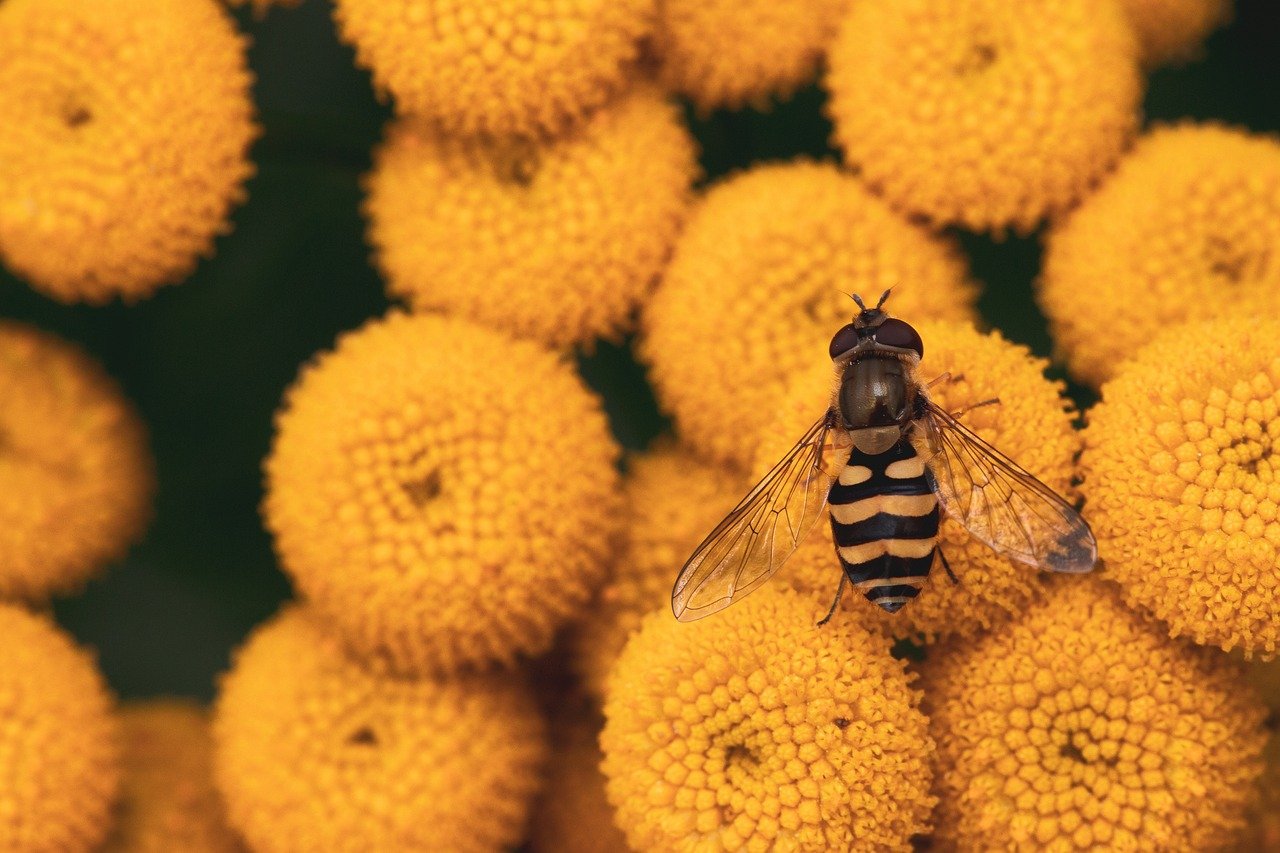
x: 884, y: 518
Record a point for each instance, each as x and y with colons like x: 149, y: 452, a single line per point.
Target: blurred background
x: 206, y: 362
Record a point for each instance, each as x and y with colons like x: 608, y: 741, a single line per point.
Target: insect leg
x: 844, y: 580
x: 943, y: 557
x: 945, y: 377
x: 993, y: 401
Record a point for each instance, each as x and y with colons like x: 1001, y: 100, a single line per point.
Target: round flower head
x: 572, y: 815
x: 512, y: 68
x: 445, y: 495
x: 124, y: 143
x: 1171, y: 30
x: 755, y: 729
x: 74, y: 460
x: 757, y: 287
x: 1186, y: 228
x: 1031, y: 424
x: 314, y: 752
x: 1183, y: 485
x: 169, y: 802
x: 519, y: 235
x: 673, y: 500
x: 1082, y: 726
x: 59, y: 755
x: 727, y: 54
x: 983, y: 113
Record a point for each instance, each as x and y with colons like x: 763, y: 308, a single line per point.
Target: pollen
x: 756, y: 730
x: 1173, y: 30
x: 1186, y: 228
x: 508, y: 68
x: 1081, y: 725
x: 444, y: 495
x: 1182, y: 482
x: 125, y: 141
x: 314, y: 752
x: 169, y: 801
x: 517, y: 235
x: 673, y: 498
x: 59, y: 740
x: 983, y: 113
x: 730, y: 54
x: 74, y: 460
x: 1032, y: 423
x: 758, y: 285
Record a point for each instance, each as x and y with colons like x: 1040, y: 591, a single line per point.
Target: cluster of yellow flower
x: 443, y: 491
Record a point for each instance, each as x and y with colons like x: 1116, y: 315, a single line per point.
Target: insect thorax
x: 877, y: 400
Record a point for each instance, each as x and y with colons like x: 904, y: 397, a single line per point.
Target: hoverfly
x: 885, y: 458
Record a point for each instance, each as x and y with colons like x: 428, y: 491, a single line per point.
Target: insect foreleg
x: 993, y: 401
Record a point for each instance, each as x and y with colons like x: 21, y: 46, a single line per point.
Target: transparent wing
x: 763, y: 530
x: 1000, y: 503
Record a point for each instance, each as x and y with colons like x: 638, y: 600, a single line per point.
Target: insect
x: 886, y: 459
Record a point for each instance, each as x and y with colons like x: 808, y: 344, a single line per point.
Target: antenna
x: 858, y: 299
x: 883, y: 297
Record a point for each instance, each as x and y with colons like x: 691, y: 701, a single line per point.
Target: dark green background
x: 207, y: 361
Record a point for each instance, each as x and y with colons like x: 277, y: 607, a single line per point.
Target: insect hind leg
x: 844, y: 581
x: 947, y: 566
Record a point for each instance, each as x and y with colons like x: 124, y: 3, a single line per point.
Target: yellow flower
x: 1082, y: 726
x: 572, y: 815
x: 314, y: 752
x: 1183, y: 485
x: 1032, y: 424
x: 757, y: 288
x: 1171, y: 30
x: 124, y: 141
x: 169, y: 802
x: 673, y: 498
x: 510, y: 67
x: 75, y: 464
x: 757, y: 730
x: 724, y: 53
x: 59, y: 750
x: 1186, y: 227
x: 444, y: 495
x: 556, y: 240
x: 984, y: 113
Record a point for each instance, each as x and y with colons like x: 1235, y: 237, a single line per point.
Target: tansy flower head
x: 673, y: 499
x: 1082, y: 726
x: 59, y: 751
x: 74, y: 460
x: 1186, y: 227
x: 983, y: 113
x: 572, y: 814
x: 1031, y: 424
x: 445, y: 495
x: 124, y: 142
x: 314, y: 752
x: 757, y: 287
x: 1183, y: 481
x: 509, y: 68
x: 1169, y: 30
x: 168, y: 802
x: 755, y: 729
x: 724, y: 53
x: 519, y: 234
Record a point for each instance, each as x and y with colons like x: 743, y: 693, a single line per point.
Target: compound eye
x: 897, y: 334
x: 845, y: 340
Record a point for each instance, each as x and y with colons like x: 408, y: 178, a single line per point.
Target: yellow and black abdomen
x: 884, y: 519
